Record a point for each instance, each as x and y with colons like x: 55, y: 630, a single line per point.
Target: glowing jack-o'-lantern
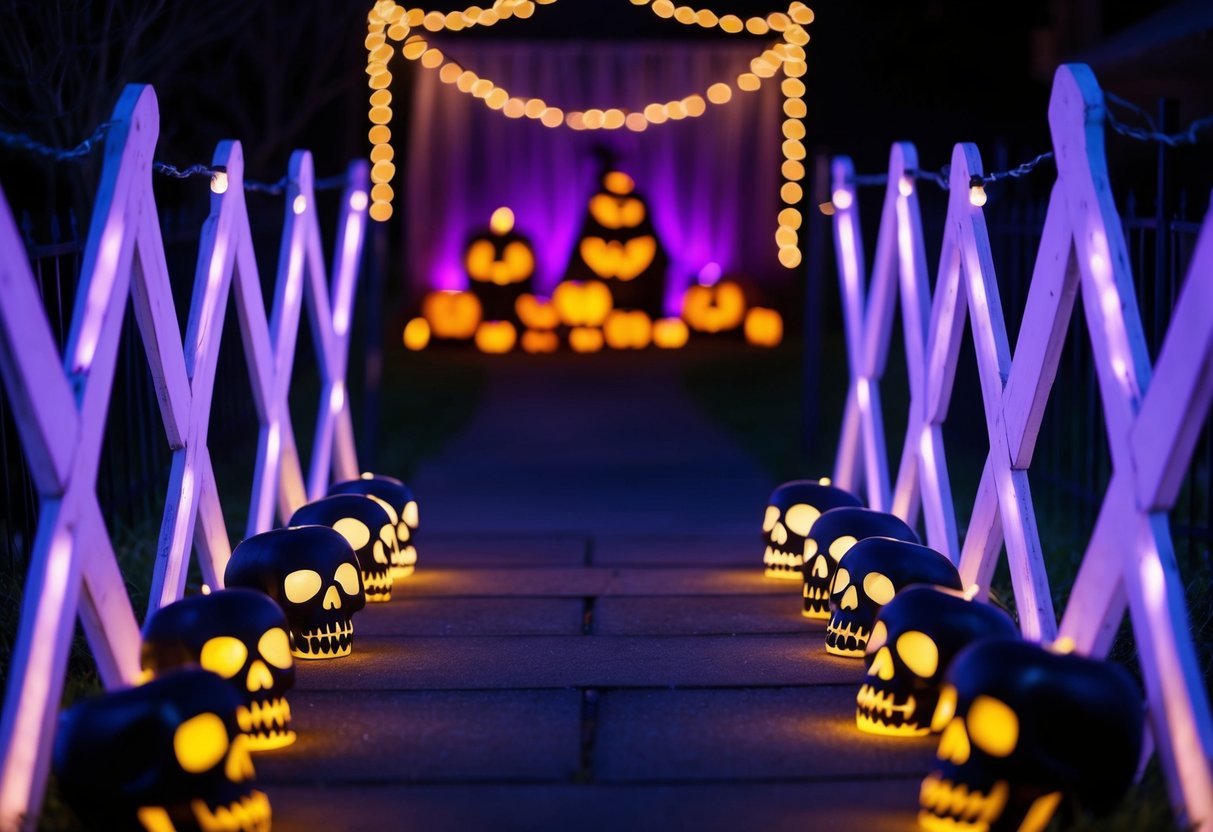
x: 832, y: 537
x: 241, y: 635
x: 367, y: 527
x: 312, y: 572
x: 496, y: 337
x: 626, y: 330
x: 537, y: 313
x: 913, y: 642
x: 716, y: 308
x: 763, y: 327
x: 452, y: 315
x: 582, y: 304
x: 791, y: 512
x: 1024, y: 727
x: 670, y: 334
x: 167, y: 755
x: 538, y: 341
x: 868, y: 577
x: 618, y: 244
x: 585, y: 339
x: 500, y: 263
x: 398, y: 502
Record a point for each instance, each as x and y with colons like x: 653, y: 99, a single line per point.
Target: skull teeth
x: 266, y: 723
x: 250, y: 813
x: 953, y: 807
x: 378, y: 585
x: 326, y: 642
x: 878, y: 712
x: 781, y: 564
x: 846, y: 639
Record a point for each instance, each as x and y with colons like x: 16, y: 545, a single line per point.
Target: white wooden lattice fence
x: 1153, y: 415
x: 60, y: 405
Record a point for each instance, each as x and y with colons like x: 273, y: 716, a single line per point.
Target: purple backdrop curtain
x: 712, y: 182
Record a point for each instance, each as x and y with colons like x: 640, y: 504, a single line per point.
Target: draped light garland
x: 389, y: 21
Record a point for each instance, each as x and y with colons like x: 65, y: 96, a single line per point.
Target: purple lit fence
x: 60, y: 405
x: 1153, y: 416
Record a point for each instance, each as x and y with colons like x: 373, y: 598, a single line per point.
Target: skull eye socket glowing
x: 386, y: 506
x: 275, y: 648
x: 200, y: 743
x: 354, y: 531
x: 842, y: 579
x: 810, y: 548
x: 801, y: 517
x: 841, y: 546
x: 880, y: 634
x: 347, y: 576
x: 301, y: 585
x: 388, y: 535
x: 768, y: 521
x: 993, y: 726
x: 402, y: 532
x: 945, y: 709
x: 878, y: 587
x: 380, y: 555
x: 919, y: 653
x: 224, y: 655
x: 410, y: 513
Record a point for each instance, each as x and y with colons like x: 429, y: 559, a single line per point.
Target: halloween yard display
x: 618, y: 245
x: 367, y: 527
x: 452, y: 316
x: 914, y: 640
x: 627, y: 330
x: 496, y: 337
x: 1024, y: 727
x: 539, y: 319
x: 582, y: 304
x: 763, y: 327
x: 241, y: 635
x: 313, y: 574
x: 714, y: 308
x: 832, y: 537
x: 167, y: 755
x: 869, y: 575
x: 500, y: 263
x: 401, y: 506
x: 791, y: 511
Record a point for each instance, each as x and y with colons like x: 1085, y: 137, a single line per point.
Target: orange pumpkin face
x: 496, y: 337
x: 670, y: 334
x: 716, y: 308
x: 536, y: 313
x: 536, y: 341
x: 763, y: 327
x: 585, y: 339
x: 612, y: 207
x: 626, y: 330
x: 621, y: 259
x: 582, y: 304
x: 499, y: 261
x: 453, y: 315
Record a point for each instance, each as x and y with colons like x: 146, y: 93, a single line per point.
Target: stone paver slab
x: 870, y: 806
x: 718, y: 615
x: 379, y: 663
x: 585, y: 582
x: 796, y: 733
x: 472, y: 617
x: 396, y: 736
x: 489, y: 548
x: 718, y: 550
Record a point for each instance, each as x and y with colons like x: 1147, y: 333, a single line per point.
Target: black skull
x: 312, y: 573
x: 166, y: 755
x: 240, y: 635
x: 915, y: 638
x: 832, y: 537
x: 370, y: 531
x: 1023, y: 727
x: 791, y: 512
x: 873, y: 571
x: 401, y: 505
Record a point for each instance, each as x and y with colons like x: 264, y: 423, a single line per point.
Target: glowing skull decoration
x: 868, y: 577
x: 240, y: 635
x: 365, y: 523
x: 913, y: 642
x: 312, y: 573
x: 1023, y: 727
x: 163, y: 757
x: 400, y: 504
x: 791, y: 512
x: 832, y: 537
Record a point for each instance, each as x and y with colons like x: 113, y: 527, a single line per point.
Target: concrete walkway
x: 589, y: 642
